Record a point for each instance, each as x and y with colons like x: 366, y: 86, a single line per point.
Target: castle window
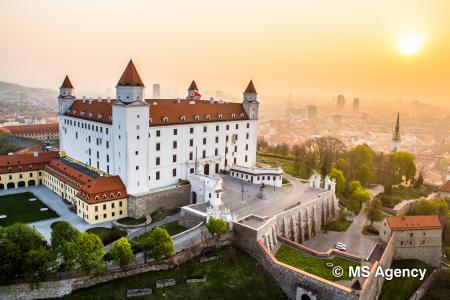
x: 104, y: 196
x: 217, y: 127
x: 111, y: 195
x: 158, y: 146
x: 174, y: 144
x: 158, y: 161
x: 30, y: 167
x: 165, y: 119
x: 242, y: 115
x: 196, y: 117
x: 207, y: 117
x: 174, y: 172
x: 220, y: 116
x: 204, y: 141
x: 217, y: 139
x: 233, y: 115
x: 158, y: 133
x: 191, y: 130
x: 157, y: 175
x: 174, y: 158
x: 96, y: 197
x: 119, y: 194
x: 175, y: 131
x: 183, y: 118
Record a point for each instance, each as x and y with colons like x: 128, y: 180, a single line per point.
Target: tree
x: 284, y: 149
x: 374, y: 210
x: 15, y: 242
x: 39, y: 264
x: 431, y: 207
x: 405, y: 166
x: 261, y: 145
x: 217, y: 227
x: 159, y: 243
x: 62, y: 233
x: 121, y: 252
x: 361, y: 164
x: 340, y: 180
x: 298, y: 153
x: 361, y: 195
x: 419, y: 182
x: 85, y: 253
x: 328, y: 150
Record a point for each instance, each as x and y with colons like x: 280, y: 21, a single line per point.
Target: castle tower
x: 193, y: 91
x: 130, y: 87
x: 130, y: 115
x: 395, y: 144
x: 251, y: 104
x: 66, y: 96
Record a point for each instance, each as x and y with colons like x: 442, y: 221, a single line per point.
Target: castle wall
x: 146, y: 204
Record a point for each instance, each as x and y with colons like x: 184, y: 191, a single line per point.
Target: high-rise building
x: 311, y: 112
x: 395, y: 144
x: 340, y: 102
x: 356, y: 104
x: 156, y: 91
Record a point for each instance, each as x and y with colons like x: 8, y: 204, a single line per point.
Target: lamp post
x: 242, y: 191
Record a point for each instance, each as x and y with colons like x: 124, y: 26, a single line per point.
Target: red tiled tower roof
x: 130, y: 76
x: 250, y: 88
x: 66, y: 83
x: 193, y: 86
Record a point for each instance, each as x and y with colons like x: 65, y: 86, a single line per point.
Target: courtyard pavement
x: 357, y: 243
x: 277, y: 200
x: 55, y: 202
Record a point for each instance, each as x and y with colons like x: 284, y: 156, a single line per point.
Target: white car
x: 340, y: 247
x: 341, y: 244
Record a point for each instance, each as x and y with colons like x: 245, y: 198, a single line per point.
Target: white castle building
x: 154, y: 143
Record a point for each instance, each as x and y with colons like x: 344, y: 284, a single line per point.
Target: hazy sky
x: 316, y: 47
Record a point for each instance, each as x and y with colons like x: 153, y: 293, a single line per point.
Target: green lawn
x: 313, y: 265
x: 338, y: 225
x: 236, y: 275
x: 369, y: 230
x: 108, y: 235
x: 17, y: 208
x: 286, y: 164
x: 403, y: 288
x: 162, y: 214
x: 132, y: 221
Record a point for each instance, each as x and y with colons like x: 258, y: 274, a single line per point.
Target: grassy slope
x: 19, y: 209
x: 312, y: 264
x: 235, y: 276
x: 338, y: 225
x: 403, y: 288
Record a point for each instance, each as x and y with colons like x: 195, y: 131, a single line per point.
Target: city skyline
x: 351, y: 48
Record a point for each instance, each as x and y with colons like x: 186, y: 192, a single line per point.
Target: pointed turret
x: 130, y: 76
x: 130, y: 87
x: 66, y: 83
x: 193, y: 86
x: 251, y: 105
x: 250, y: 88
x: 66, y: 96
x: 193, y: 91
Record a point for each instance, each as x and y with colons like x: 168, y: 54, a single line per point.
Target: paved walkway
x: 55, y: 202
x: 140, y: 231
x: 277, y: 201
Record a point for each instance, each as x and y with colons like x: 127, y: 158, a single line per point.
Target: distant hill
x: 16, y: 92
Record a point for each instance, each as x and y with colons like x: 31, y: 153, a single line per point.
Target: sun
x: 410, y: 44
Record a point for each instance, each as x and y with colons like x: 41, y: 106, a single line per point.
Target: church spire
x: 396, y: 135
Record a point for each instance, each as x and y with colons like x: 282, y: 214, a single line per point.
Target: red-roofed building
x: 415, y: 237
x: 154, y: 143
x: 444, y: 190
x: 95, y: 197
x: 41, y: 132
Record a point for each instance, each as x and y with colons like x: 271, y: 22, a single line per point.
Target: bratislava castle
x: 155, y: 143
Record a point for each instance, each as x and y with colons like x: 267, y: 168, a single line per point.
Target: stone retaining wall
x: 167, y: 199
x: 57, y: 289
x: 293, y: 281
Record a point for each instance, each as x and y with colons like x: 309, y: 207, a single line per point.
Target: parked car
x: 340, y: 247
x: 341, y: 244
